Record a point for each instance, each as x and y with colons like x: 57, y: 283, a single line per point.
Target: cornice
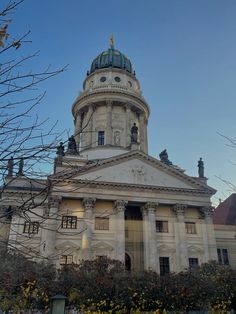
x: 141, y: 156
x: 32, y: 193
x: 110, y: 90
x: 134, y: 187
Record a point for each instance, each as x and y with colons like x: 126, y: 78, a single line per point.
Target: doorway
x: 127, y: 262
x: 134, y: 237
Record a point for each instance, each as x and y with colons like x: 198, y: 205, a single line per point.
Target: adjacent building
x: 224, y: 218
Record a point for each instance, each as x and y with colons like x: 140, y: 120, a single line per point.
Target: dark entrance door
x: 134, y: 237
x: 127, y: 262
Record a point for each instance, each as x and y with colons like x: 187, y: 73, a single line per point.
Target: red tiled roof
x: 225, y: 213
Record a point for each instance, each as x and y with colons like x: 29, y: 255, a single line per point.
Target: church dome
x: 111, y: 58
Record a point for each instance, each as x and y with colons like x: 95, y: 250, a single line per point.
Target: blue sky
x: 184, y: 53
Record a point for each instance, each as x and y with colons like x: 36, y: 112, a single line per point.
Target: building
x: 107, y: 196
x: 224, y: 217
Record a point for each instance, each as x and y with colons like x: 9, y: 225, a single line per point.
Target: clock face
x: 103, y: 79
x: 117, y: 79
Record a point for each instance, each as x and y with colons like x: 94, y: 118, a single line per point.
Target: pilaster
x: 142, y: 130
x: 89, y: 128
x: 128, y: 125
x: 119, y: 206
x: 109, y: 122
x: 145, y: 135
x: 78, y: 122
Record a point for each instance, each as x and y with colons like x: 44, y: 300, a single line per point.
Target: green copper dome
x: 111, y: 58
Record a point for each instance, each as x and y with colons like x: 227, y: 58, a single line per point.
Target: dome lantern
x: 111, y: 58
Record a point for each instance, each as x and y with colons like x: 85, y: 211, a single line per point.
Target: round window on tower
x: 130, y: 84
x: 117, y: 79
x: 103, y: 79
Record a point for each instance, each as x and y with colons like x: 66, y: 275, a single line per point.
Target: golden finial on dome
x: 112, y: 41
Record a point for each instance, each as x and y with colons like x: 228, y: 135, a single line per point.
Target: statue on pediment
x: 72, y: 147
x: 21, y: 166
x: 10, y: 165
x: 164, y: 158
x: 60, y: 150
x: 200, y: 168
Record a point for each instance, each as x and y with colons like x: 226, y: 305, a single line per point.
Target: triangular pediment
x: 139, y: 169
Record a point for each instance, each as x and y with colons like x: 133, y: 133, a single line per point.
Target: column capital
x: 109, y: 102
x: 179, y: 209
x: 78, y: 113
x: 127, y: 106
x: 54, y: 201
x: 6, y: 211
x: 207, y: 211
x: 150, y: 207
x: 120, y: 205
x: 144, y: 117
x: 88, y: 203
x: 91, y: 107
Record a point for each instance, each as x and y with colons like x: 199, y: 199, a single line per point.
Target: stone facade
x: 112, y: 198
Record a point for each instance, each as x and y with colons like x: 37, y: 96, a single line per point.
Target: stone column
x: 78, y: 129
x: 149, y: 236
x: 16, y: 224
x: 108, y: 135
x: 145, y: 135
x: 128, y: 125
x: 142, y: 131
x: 88, y: 204
x: 9, y: 231
x: 209, y: 234
x: 50, y: 227
x: 89, y: 128
x: 180, y: 238
x: 120, y: 206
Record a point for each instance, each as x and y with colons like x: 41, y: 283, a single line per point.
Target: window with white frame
x: 161, y: 226
x: 69, y: 222
x: 31, y: 227
x: 101, y: 223
x: 101, y: 138
x: 66, y: 259
x: 190, y: 227
x: 164, y: 265
x: 223, y: 257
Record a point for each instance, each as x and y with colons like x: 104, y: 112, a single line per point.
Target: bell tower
x: 110, y: 114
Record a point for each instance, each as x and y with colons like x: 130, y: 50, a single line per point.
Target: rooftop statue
x: 21, y: 166
x: 201, y: 168
x: 60, y: 150
x: 10, y: 165
x: 164, y: 158
x: 72, y: 147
